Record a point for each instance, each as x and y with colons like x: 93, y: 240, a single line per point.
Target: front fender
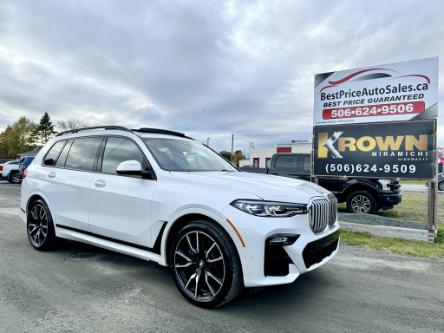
x: 209, y: 213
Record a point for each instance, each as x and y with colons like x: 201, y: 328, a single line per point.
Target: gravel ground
x: 80, y: 288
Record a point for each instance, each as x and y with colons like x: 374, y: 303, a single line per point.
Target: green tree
x: 18, y: 138
x: 45, y: 129
x: 4, y: 148
x: 225, y: 154
x: 238, y: 156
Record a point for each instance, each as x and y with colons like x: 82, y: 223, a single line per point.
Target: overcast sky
x: 208, y: 68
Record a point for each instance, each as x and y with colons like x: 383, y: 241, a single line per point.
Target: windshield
x: 185, y: 155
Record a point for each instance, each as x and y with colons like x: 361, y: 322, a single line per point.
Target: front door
x: 120, y: 206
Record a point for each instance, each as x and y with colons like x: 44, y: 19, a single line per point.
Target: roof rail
x: 120, y: 128
x: 159, y: 131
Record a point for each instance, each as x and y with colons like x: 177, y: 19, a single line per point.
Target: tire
x: 441, y: 186
x: 14, y: 177
x: 205, y: 251
x: 40, y: 227
x: 362, y: 201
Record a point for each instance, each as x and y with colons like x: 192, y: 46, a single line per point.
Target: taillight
x: 25, y: 172
x: 1, y: 167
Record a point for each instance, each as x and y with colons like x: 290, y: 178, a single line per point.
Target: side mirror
x: 131, y: 167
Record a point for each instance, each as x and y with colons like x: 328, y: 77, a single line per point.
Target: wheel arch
x: 33, y: 198
x: 360, y: 187
x: 187, y: 217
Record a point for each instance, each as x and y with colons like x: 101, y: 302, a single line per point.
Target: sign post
x: 432, y: 199
x: 379, y: 122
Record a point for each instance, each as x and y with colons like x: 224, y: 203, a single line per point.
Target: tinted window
x: 53, y: 154
x: 285, y: 162
x: 82, y: 154
x: 118, y: 150
x: 62, y: 158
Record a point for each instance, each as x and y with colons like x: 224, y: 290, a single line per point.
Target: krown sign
x: 387, y: 146
x: 404, y: 150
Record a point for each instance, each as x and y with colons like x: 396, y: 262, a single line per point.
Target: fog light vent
x: 282, y: 239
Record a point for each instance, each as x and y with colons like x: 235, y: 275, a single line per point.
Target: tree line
x: 25, y: 135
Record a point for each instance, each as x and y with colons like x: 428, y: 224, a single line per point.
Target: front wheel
x: 441, y: 186
x: 362, y: 201
x: 205, y: 265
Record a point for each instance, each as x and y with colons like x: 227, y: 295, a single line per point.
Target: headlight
x: 269, y: 208
x: 385, y: 184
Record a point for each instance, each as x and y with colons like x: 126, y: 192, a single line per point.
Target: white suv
x: 161, y: 196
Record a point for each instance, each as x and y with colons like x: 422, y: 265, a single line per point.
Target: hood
x: 266, y: 187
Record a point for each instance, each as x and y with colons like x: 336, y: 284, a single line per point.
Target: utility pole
x: 232, y: 147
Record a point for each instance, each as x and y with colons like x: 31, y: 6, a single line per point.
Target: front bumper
x: 263, y: 266
x: 389, y: 200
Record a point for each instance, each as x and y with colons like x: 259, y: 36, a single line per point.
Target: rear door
x: 68, y: 173
x: 121, y: 205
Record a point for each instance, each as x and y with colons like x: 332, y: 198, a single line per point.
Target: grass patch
x: 412, y: 208
x: 413, y: 182
x: 397, y: 245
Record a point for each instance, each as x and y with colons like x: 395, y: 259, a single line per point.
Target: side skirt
x: 112, y: 244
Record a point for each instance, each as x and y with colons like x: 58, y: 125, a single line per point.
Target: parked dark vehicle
x: 362, y: 195
x: 441, y: 182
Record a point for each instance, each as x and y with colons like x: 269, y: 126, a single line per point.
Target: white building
x: 261, y: 157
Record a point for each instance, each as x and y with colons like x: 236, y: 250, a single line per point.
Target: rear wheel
x: 14, y: 177
x: 362, y: 201
x: 205, y: 265
x: 39, y: 226
x: 441, y: 186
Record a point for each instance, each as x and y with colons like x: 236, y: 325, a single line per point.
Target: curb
x: 387, y: 231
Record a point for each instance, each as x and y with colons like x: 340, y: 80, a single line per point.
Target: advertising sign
x: 404, y: 150
x: 403, y: 91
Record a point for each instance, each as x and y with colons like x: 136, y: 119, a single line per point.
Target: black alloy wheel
x: 39, y: 226
x: 205, y: 264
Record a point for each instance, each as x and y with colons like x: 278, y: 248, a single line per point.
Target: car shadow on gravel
x: 307, y: 286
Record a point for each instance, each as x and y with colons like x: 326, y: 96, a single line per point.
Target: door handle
x: 100, y: 183
x: 52, y: 174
